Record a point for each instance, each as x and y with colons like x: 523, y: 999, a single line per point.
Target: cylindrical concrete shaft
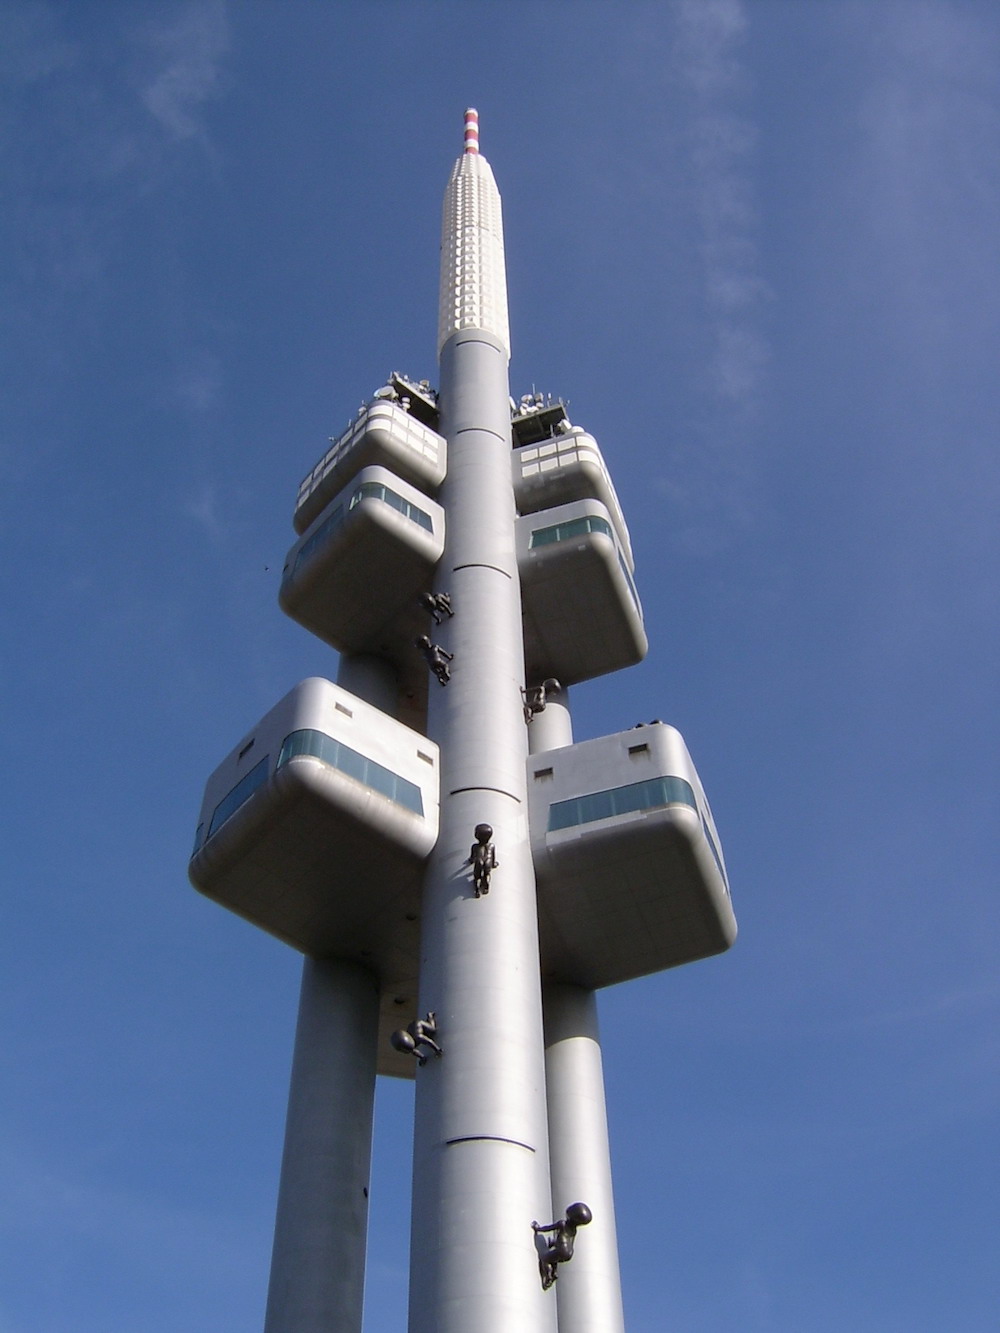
x: 552, y: 728
x: 589, y: 1287
x: 318, y: 1260
x: 481, y: 1143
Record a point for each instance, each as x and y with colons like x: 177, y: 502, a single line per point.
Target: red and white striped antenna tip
x: 472, y: 130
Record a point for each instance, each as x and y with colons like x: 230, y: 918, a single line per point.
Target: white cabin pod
x: 382, y: 433
x: 316, y: 828
x: 581, y: 611
x: 564, y: 468
x: 629, y: 866
x: 355, y: 577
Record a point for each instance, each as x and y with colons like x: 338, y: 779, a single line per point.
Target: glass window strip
x: 318, y: 537
x: 573, y: 527
x: 629, y: 580
x: 239, y: 795
x: 375, y: 490
x: 715, y: 851
x: 647, y: 795
x: 354, y: 765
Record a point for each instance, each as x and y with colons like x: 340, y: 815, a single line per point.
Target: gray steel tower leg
x: 480, y: 1143
x: 318, y: 1260
x: 552, y: 728
x: 321, y: 1228
x: 589, y: 1288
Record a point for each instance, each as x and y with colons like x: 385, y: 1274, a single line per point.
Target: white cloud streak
x: 709, y: 486
x: 203, y: 509
x: 929, y: 170
x: 722, y: 140
x: 927, y: 182
x: 191, y: 48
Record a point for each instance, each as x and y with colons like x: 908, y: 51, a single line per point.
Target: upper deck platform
x: 384, y: 433
x: 562, y: 468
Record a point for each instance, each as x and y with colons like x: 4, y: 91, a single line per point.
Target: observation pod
x: 355, y: 576
x: 565, y: 467
x: 317, y: 825
x: 383, y: 433
x: 628, y: 862
x: 582, y: 616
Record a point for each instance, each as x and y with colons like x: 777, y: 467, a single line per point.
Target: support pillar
x: 589, y: 1287
x: 318, y: 1260
x: 552, y: 728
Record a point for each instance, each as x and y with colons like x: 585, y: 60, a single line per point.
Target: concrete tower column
x: 589, y: 1288
x: 552, y: 728
x: 321, y: 1225
x: 318, y: 1259
x: 480, y: 1144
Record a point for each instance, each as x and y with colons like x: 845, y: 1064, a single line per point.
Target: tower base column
x: 320, y: 1233
x: 589, y: 1288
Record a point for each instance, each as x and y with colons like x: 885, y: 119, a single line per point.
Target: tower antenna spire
x: 471, y: 130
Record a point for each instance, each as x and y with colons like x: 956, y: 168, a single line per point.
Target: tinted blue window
x: 242, y: 792
x: 628, y: 579
x: 715, y: 851
x: 573, y: 527
x: 354, y: 765
x: 319, y: 536
x: 374, y: 490
x: 625, y: 800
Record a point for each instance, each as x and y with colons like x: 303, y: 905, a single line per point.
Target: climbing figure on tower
x: 436, y: 657
x: 559, y: 1249
x: 483, y: 859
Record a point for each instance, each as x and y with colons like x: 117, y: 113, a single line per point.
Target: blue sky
x: 755, y: 245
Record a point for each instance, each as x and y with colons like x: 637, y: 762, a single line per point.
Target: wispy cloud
x: 199, y: 384
x: 31, y: 46
x: 928, y: 170
x: 103, y: 127
x: 203, y: 508
x: 709, y: 486
x: 722, y: 140
x: 190, y: 47
x: 926, y: 178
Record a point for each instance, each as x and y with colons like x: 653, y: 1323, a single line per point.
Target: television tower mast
x: 481, y: 1144
x: 460, y: 876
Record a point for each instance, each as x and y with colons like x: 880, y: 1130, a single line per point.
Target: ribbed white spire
x: 473, y: 276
